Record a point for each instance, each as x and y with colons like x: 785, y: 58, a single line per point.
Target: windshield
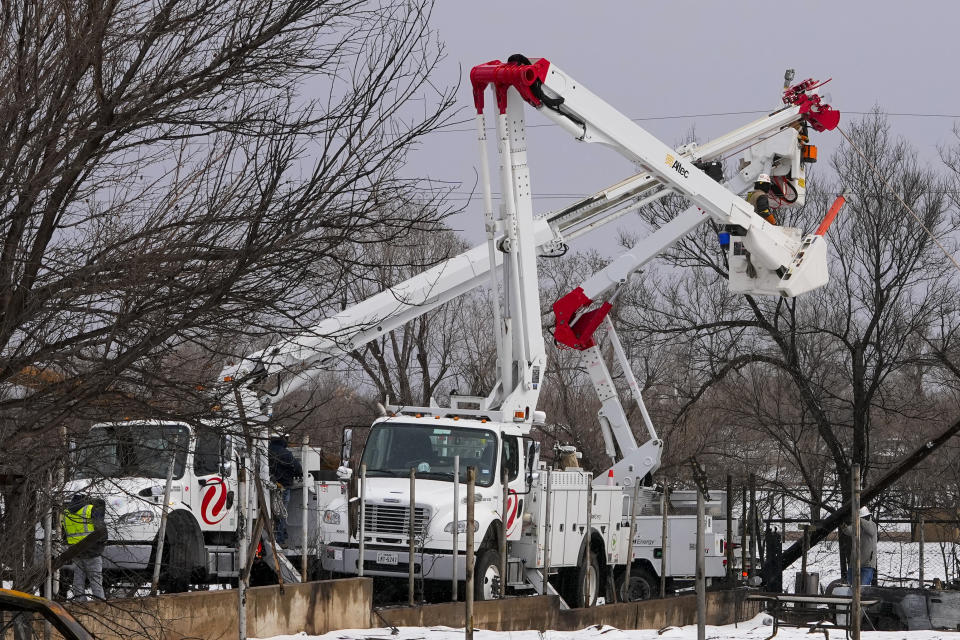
x: 132, y: 450
x: 393, y: 448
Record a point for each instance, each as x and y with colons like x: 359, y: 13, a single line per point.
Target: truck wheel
x: 581, y: 585
x: 175, y: 569
x: 643, y: 586
x: 486, y: 575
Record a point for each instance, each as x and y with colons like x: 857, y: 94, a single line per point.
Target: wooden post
x: 48, y: 552
x: 626, y: 591
x: 922, y: 540
x: 468, y: 581
x: 855, y: 562
x: 158, y: 556
x: 803, y: 560
x: 456, y: 525
x: 363, y: 516
x: 588, y: 532
x: 664, y: 538
x: 412, y: 551
x: 243, y: 529
x: 753, y: 525
x: 504, y: 499
x: 701, y: 585
x: 744, y: 529
x: 547, y: 532
x: 304, y: 505
x: 728, y: 539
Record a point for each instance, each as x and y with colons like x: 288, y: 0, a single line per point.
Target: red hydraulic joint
x: 577, y: 334
x: 504, y: 75
x: 818, y: 114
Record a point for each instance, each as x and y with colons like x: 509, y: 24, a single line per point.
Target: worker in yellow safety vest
x: 82, y: 517
x: 759, y: 198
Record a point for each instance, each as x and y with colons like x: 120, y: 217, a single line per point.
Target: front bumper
x: 130, y: 556
x: 430, y: 565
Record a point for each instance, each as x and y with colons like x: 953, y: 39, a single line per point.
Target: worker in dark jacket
x: 81, y: 518
x: 759, y: 198
x: 284, y: 468
x: 868, y: 548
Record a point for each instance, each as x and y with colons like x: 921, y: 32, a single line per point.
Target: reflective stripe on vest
x: 78, y: 525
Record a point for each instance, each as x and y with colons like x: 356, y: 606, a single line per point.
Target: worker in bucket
x: 284, y: 468
x: 760, y: 199
x: 83, y: 518
x: 868, y: 548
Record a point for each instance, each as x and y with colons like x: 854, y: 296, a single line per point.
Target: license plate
x: 387, y: 557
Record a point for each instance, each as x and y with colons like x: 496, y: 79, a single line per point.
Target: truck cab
x: 126, y: 464
x: 429, y: 445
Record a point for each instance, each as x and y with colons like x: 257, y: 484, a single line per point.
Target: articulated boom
x: 763, y: 258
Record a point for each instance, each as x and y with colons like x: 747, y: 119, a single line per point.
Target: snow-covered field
x: 758, y: 628
x: 895, y: 560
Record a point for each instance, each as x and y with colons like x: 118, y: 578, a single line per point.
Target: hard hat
x: 763, y: 178
x: 864, y: 512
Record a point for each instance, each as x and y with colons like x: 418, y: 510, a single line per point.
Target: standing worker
x: 84, y: 517
x: 868, y: 548
x: 759, y: 198
x: 283, y: 469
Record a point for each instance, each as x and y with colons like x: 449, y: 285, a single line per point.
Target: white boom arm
x: 781, y: 261
x: 292, y: 360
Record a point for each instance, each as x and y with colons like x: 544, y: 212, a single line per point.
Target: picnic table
x: 823, y: 606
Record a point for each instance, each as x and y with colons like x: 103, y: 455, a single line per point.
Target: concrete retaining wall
x: 314, y: 607
x: 543, y: 613
x: 319, y: 607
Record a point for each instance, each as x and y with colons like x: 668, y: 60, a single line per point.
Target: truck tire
x: 486, y: 575
x: 643, y: 585
x: 581, y: 584
x: 175, y: 568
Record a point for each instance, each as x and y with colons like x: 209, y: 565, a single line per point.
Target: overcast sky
x: 667, y: 59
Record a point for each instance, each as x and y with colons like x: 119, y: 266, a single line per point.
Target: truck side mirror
x: 346, y: 447
x: 532, y: 460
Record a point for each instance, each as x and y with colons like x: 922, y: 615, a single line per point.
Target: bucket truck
x: 550, y: 539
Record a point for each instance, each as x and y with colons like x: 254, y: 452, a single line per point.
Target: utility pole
x: 625, y: 595
x: 728, y: 539
x: 412, y: 551
x: 548, y: 533
x: 855, y: 562
x: 922, y: 540
x: 468, y: 582
x: 504, y: 499
x: 456, y: 524
x: 700, y: 576
x: 664, y: 538
x: 753, y: 525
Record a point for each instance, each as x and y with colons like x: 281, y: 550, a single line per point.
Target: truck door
x: 511, y: 463
x: 214, y: 482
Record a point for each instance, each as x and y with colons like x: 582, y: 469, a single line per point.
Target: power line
x: 899, y: 114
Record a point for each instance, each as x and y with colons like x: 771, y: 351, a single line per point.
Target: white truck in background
x: 126, y: 464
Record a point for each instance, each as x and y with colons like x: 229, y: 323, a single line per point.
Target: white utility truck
x: 562, y: 522
x: 127, y: 464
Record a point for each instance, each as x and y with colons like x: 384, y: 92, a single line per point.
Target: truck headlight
x: 136, y: 517
x: 461, y: 526
x: 331, y: 517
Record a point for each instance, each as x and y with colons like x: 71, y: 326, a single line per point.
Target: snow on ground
x: 895, y: 560
x: 758, y: 628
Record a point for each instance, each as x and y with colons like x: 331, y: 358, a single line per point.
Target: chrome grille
x: 389, y: 519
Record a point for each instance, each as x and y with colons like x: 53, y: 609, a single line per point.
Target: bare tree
x: 187, y: 172
x: 814, y: 376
